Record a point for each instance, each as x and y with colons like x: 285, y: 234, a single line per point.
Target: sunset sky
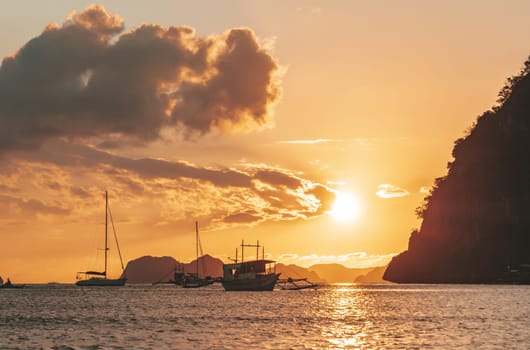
x: 315, y: 127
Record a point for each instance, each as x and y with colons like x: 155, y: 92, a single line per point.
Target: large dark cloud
x: 88, y: 77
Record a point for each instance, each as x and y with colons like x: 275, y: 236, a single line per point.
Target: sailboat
x: 193, y: 280
x: 97, y: 278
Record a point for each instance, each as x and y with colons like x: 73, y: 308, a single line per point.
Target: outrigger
x: 296, y: 284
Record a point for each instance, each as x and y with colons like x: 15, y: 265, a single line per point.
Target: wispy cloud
x: 425, y: 189
x: 391, y: 191
x: 357, y: 141
x: 336, y: 183
x: 312, y: 11
x: 309, y: 142
x: 245, y: 195
x: 11, y: 207
x: 352, y: 260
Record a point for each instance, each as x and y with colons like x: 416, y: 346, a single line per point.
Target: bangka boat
x: 254, y: 275
x: 97, y: 278
x: 192, y: 280
x: 9, y: 285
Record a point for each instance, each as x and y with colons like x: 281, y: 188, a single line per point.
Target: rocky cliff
x: 476, y: 220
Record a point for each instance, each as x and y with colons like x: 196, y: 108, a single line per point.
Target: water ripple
x: 334, y: 317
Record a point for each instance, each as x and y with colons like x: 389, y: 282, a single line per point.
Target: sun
x: 346, y: 207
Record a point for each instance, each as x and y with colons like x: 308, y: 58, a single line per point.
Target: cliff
x: 476, y: 220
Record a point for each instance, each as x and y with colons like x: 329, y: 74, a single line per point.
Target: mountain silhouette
x: 295, y: 271
x: 149, y: 269
x: 337, y: 273
x: 476, y: 219
x: 373, y: 276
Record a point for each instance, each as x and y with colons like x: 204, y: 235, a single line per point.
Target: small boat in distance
x: 97, y: 278
x: 192, y: 280
x: 254, y: 275
x: 9, y: 285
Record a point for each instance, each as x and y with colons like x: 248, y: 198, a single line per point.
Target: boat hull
x: 101, y: 282
x: 12, y: 286
x: 260, y: 283
x: 197, y: 284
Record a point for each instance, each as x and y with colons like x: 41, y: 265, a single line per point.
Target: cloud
x: 354, y: 141
x: 310, y: 142
x: 87, y: 77
x: 175, y: 189
x: 425, y: 189
x: 11, y: 206
x: 352, y: 260
x: 75, y: 155
x: 276, y: 177
x: 242, y: 218
x: 390, y: 191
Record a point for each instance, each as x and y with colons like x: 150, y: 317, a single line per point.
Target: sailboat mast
x: 197, y: 248
x: 106, y: 233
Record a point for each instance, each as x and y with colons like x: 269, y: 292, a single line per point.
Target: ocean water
x: 332, y: 317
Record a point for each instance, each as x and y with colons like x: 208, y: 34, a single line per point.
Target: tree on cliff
x: 476, y: 219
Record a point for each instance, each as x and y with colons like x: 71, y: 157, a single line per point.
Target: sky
x: 315, y: 127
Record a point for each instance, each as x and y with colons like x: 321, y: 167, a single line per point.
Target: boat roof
x: 247, y: 263
x: 97, y: 273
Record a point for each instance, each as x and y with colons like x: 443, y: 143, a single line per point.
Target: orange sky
x: 250, y: 119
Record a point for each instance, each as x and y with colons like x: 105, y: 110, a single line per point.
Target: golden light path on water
x: 349, y: 316
x: 345, y: 303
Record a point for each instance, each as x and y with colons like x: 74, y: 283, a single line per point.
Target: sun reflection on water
x: 347, y: 314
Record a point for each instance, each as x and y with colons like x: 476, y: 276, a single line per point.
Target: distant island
x: 476, y: 219
x: 149, y: 269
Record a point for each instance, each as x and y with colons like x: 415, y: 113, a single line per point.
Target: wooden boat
x: 97, y: 278
x: 9, y: 285
x: 192, y: 280
x: 254, y: 275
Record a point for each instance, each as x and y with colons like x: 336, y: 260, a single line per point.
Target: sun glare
x: 346, y: 207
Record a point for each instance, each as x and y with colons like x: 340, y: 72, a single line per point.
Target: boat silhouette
x: 100, y: 278
x: 253, y: 275
x: 9, y: 285
x: 193, y: 280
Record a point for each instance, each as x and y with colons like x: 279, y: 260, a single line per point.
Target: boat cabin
x: 248, y: 269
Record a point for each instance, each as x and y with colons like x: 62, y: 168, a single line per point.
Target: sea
x: 339, y: 316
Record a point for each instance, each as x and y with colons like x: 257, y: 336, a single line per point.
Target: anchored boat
x: 254, y: 275
x: 192, y: 280
x: 97, y: 278
x: 9, y: 285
